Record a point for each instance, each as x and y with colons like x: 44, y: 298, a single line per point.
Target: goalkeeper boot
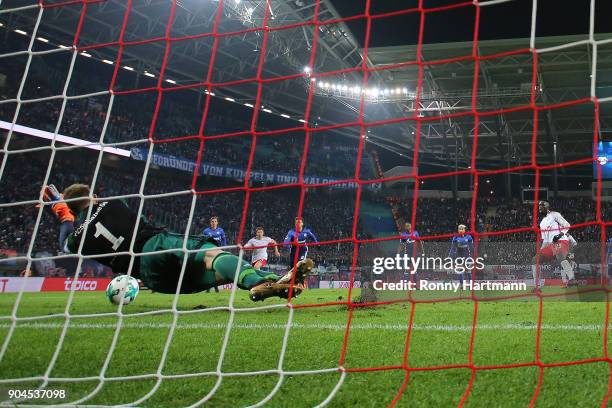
x: 269, y: 289
x: 303, y: 269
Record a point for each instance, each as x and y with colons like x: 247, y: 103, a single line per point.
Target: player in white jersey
x: 555, y: 243
x: 259, y: 258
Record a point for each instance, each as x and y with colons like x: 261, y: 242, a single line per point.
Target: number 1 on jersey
x: 102, y: 230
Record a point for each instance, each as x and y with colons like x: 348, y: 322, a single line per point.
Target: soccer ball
x: 122, y: 289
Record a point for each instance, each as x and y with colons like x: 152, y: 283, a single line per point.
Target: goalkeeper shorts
x: 160, y: 272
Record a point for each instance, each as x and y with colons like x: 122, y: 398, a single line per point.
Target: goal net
x: 355, y: 119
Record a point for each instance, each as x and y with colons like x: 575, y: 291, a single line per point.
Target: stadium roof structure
x: 238, y: 51
x: 564, y: 67
x: 563, y: 74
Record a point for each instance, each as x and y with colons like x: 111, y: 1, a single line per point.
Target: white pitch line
x: 313, y: 326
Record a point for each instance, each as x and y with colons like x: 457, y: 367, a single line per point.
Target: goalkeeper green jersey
x: 110, y: 230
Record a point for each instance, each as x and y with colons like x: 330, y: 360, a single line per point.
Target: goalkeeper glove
x: 557, y: 237
x: 61, y: 210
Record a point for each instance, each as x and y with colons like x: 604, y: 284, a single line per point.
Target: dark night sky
x: 506, y: 20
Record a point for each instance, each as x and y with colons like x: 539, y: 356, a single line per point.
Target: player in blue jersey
x: 216, y: 233
x: 409, y: 241
x: 298, y: 235
x: 462, y: 246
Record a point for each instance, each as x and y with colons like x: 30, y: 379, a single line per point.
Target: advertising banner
x: 12, y: 285
x: 81, y: 285
x: 338, y: 284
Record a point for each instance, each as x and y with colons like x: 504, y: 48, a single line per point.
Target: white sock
x: 564, y: 277
x: 567, y: 268
x: 533, y: 272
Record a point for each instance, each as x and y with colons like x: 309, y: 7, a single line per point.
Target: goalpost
x: 307, y: 125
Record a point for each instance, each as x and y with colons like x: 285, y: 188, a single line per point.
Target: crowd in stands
x: 331, y: 154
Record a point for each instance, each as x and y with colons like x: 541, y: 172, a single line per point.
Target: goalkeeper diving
x: 108, y: 230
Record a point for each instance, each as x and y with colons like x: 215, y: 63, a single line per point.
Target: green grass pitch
x: 572, y: 330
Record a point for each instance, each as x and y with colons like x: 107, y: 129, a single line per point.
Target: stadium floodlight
x: 374, y: 92
x: 398, y: 91
x: 109, y: 62
x: 248, y: 105
x: 285, y: 116
x: 86, y: 54
x: 405, y: 90
x: 126, y: 67
x: 18, y: 31
x: 149, y: 74
x: 345, y: 88
x: 171, y: 81
x: 230, y: 99
x: 307, y: 70
x: 42, y: 39
x: 1, y: 25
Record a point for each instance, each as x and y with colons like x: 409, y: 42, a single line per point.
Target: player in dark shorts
x: 409, y: 242
x: 110, y: 227
x: 462, y: 246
